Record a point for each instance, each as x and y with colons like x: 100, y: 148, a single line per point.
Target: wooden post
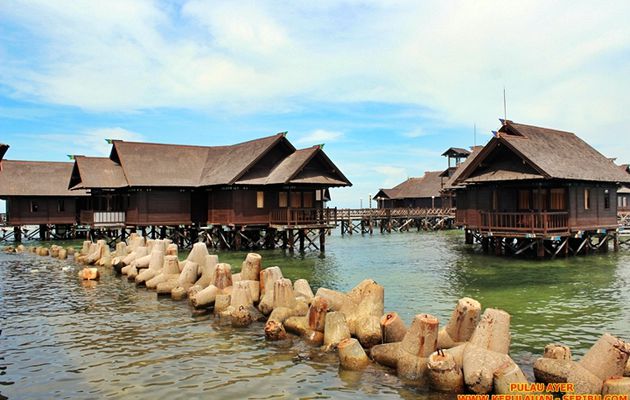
x: 540, y: 248
x: 343, y: 231
x: 42, y: 232
x: 284, y: 239
x: 616, y: 242
x: 163, y: 232
x: 322, y: 240
x: 603, y: 248
x: 468, y: 236
x: 497, y: 246
x: 291, y: 240
x: 237, y: 238
x: 153, y: 232
x: 301, y: 234
x: 143, y: 231
x: 484, y: 244
x: 566, y: 247
x: 17, y: 233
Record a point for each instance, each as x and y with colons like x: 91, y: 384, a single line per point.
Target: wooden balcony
x: 102, y: 218
x: 302, y: 217
x: 536, y: 223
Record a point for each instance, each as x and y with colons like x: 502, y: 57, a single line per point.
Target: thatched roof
x: 36, y: 178
x: 542, y: 154
x: 3, y: 150
x: 456, y: 152
x: 96, y: 172
x: 268, y: 160
x: 426, y: 186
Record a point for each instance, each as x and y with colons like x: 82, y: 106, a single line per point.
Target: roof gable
x: 96, y: 172
x: 3, y: 150
x: 553, y: 154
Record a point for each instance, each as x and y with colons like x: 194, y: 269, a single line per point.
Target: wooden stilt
x: 17, y: 233
x: 322, y: 240
x: 615, y: 242
x: 540, y: 248
x: 485, y: 245
x: 497, y: 246
x: 291, y: 240
x: 301, y: 234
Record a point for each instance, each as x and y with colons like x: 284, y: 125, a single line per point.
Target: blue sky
x: 386, y: 85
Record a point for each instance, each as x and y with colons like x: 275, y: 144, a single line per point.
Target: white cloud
x: 320, y: 136
x: 91, y: 142
x: 564, y: 63
x: 414, y: 133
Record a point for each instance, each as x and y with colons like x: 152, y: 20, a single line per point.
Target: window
x: 283, y: 199
x: 523, y: 200
x: 307, y: 199
x: 61, y: 206
x: 558, y: 199
x: 587, y: 199
x: 260, y: 199
x: 296, y: 199
x: 34, y: 206
x: 318, y: 195
x: 606, y: 198
x: 540, y: 199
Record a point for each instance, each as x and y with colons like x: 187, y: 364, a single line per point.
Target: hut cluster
x: 468, y: 355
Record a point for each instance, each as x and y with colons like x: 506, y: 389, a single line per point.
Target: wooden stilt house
x: 36, y: 193
x: 623, y: 193
x: 263, y: 184
x: 538, y: 188
x: 421, y: 192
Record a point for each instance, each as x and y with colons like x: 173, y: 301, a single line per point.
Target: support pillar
x: 485, y: 245
x: 163, y: 232
x: 17, y: 233
x: 237, y: 238
x: 322, y: 240
x: 468, y: 235
x: 540, y: 248
x: 291, y: 240
x: 42, y: 232
x: 301, y: 234
x: 616, y: 242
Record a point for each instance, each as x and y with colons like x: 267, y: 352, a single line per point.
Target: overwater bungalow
x: 538, y: 188
x: 36, y: 193
x: 623, y: 193
x: 421, y: 192
x: 239, y: 194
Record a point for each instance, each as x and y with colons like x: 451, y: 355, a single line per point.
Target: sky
x: 387, y: 86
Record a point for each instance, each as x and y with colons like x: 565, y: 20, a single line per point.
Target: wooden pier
x: 386, y: 220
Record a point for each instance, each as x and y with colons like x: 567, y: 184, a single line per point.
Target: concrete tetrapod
x: 416, y: 347
x: 156, y: 262
x: 250, y: 269
x: 617, y: 385
x: 335, y: 329
x: 351, y: 354
x: 170, y: 270
x: 206, y: 277
x: 393, y: 328
x: 186, y: 280
x: 268, y: 277
x: 222, y: 284
x: 461, y: 325
x: 444, y: 374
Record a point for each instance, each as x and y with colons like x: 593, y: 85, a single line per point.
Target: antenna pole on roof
x: 504, y: 106
x: 475, y: 135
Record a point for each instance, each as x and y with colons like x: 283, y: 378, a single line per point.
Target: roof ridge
x: 198, y: 146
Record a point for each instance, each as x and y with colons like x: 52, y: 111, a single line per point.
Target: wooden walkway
x: 366, y: 220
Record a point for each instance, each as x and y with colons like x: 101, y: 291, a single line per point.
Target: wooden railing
x: 102, y: 218
x: 524, y: 222
x: 302, y: 216
x: 365, y: 213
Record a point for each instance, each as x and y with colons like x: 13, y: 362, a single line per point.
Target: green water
x: 64, y: 339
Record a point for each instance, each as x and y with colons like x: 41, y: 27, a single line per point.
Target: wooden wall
x: 159, y: 207
x: 240, y: 206
x: 21, y: 210
x: 479, y: 198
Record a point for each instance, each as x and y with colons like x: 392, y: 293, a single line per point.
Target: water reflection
x: 65, y: 339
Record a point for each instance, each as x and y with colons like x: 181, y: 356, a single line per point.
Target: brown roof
x: 456, y: 152
x: 387, y: 193
x: 427, y: 185
x: 3, y: 150
x: 97, y: 172
x: 165, y: 165
x: 551, y: 153
x: 450, y: 183
x: 36, y: 178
